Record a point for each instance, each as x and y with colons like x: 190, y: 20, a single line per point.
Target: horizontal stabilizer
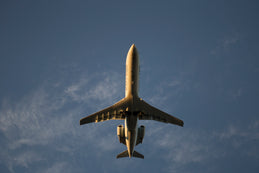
x: 123, y: 154
x: 126, y: 154
x: 138, y: 155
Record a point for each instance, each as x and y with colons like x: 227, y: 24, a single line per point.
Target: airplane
x: 131, y: 109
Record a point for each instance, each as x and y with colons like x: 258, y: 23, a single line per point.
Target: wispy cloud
x: 170, y: 88
x: 108, y: 85
x: 45, y: 120
x: 43, y: 128
x: 26, y: 158
x: 226, y: 43
x: 239, y: 136
x: 58, y: 167
x: 236, y: 93
x: 230, y: 41
x: 185, y: 147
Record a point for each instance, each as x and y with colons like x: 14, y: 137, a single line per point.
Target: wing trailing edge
x: 114, y: 112
x: 149, y: 112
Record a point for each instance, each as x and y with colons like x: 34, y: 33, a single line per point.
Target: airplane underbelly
x: 131, y: 132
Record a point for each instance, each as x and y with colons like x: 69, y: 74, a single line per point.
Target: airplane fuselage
x: 132, y: 73
x: 131, y: 109
x: 131, y: 93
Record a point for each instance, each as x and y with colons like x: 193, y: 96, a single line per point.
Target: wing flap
x: 149, y: 112
x: 114, y: 112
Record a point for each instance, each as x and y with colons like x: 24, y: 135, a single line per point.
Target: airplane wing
x: 149, y: 112
x: 114, y: 112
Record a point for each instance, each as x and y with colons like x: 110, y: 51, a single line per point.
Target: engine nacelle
x: 121, y: 134
x: 141, y: 134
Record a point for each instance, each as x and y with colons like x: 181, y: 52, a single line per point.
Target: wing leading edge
x: 149, y: 112
x: 114, y: 112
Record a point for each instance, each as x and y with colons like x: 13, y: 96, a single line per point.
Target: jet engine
x: 141, y: 134
x: 121, y: 134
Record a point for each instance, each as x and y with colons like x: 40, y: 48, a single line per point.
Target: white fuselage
x: 131, y: 109
x: 131, y: 93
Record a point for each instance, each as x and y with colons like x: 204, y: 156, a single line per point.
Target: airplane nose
x: 132, y: 56
x: 133, y: 49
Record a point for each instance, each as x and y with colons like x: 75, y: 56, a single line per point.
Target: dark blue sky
x: 63, y: 60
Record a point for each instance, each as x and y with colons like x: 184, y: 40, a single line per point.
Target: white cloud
x: 32, y: 120
x: 185, y: 146
x: 233, y: 132
x: 236, y: 93
x: 170, y: 88
x: 226, y: 43
x: 45, y: 119
x: 26, y: 158
x: 58, y: 167
x: 108, y: 85
x: 230, y: 41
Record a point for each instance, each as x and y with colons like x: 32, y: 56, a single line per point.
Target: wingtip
x: 81, y: 122
x: 182, y: 124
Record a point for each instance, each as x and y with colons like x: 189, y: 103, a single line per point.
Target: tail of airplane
x: 126, y: 154
x: 138, y: 155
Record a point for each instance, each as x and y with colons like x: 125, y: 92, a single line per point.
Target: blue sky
x: 63, y: 60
